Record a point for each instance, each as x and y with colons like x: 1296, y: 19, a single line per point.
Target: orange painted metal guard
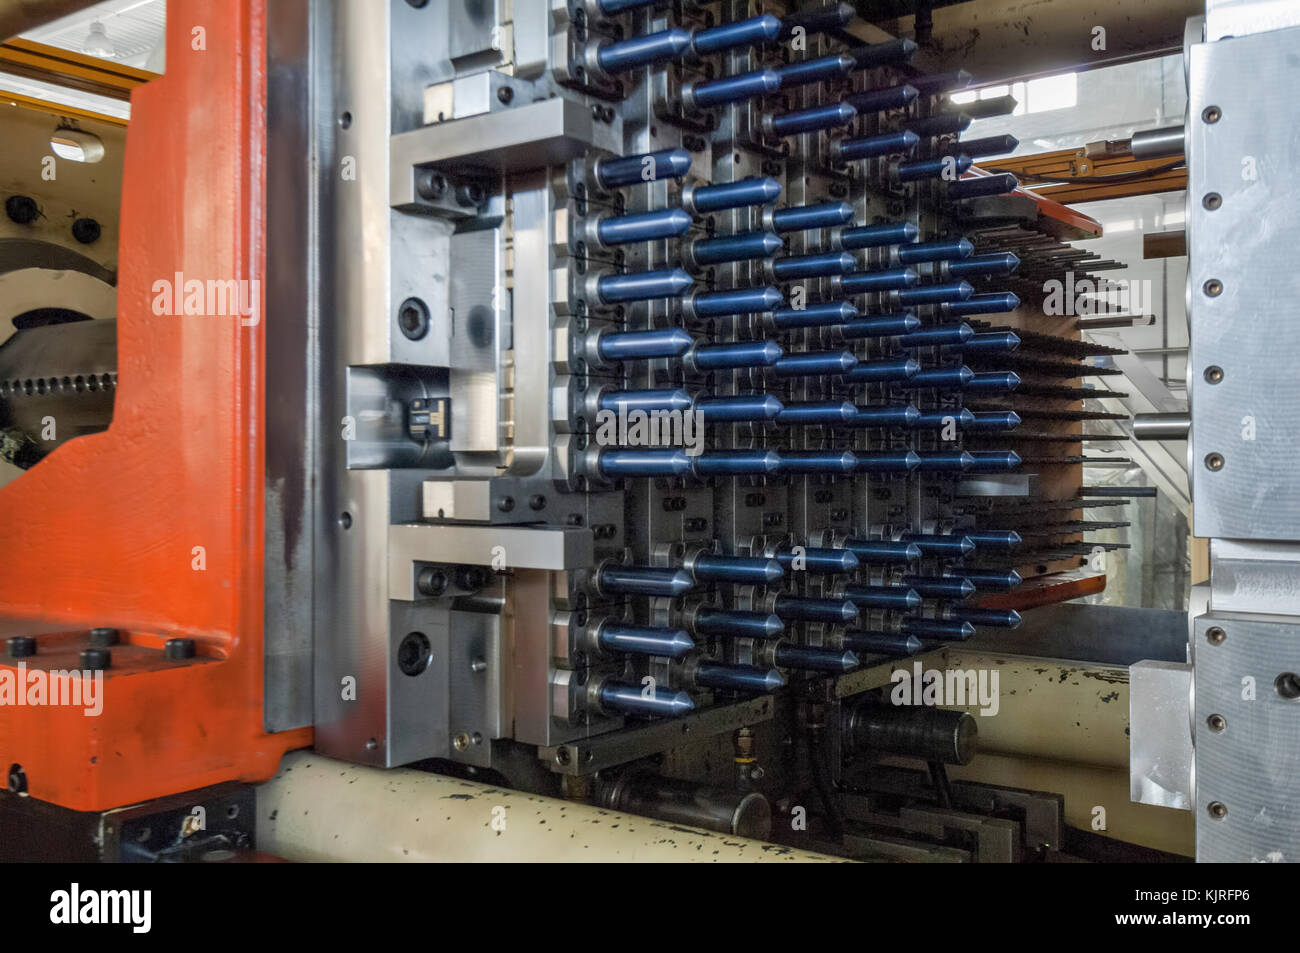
x: 104, y: 531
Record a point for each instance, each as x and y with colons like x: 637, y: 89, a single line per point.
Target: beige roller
x: 319, y: 809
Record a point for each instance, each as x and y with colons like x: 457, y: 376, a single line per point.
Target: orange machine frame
x: 103, y: 531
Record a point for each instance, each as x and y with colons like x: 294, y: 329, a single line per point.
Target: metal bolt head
x: 461, y: 741
x: 104, y: 636
x: 1213, y: 374
x: 1212, y: 201
x: 1215, y: 635
x: 1211, y: 114
x: 96, y: 660
x: 21, y: 646
x: 177, y: 649
x: 1217, y: 722
x: 1213, y: 288
x: 1214, y: 461
x: 1218, y: 810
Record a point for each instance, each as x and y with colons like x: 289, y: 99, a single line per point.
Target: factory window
x: 1032, y: 96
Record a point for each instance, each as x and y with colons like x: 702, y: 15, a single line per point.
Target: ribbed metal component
x: 994, y: 580
x: 993, y: 342
x: 994, y: 461
x: 958, y: 417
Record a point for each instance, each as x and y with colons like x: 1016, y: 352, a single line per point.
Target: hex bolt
x: 96, y: 660
x: 1217, y: 722
x: 104, y: 636
x: 21, y: 646
x: 178, y: 649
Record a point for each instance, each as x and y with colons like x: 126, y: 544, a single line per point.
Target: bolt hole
x: 1215, y: 635
x: 1288, y: 685
x: 1218, y: 810
x: 345, y: 520
x: 1211, y: 114
x: 414, y: 654
x: 232, y: 812
x: 1213, y: 288
x: 1212, y: 201
x: 345, y: 120
x: 1214, y: 461
x: 1213, y: 374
